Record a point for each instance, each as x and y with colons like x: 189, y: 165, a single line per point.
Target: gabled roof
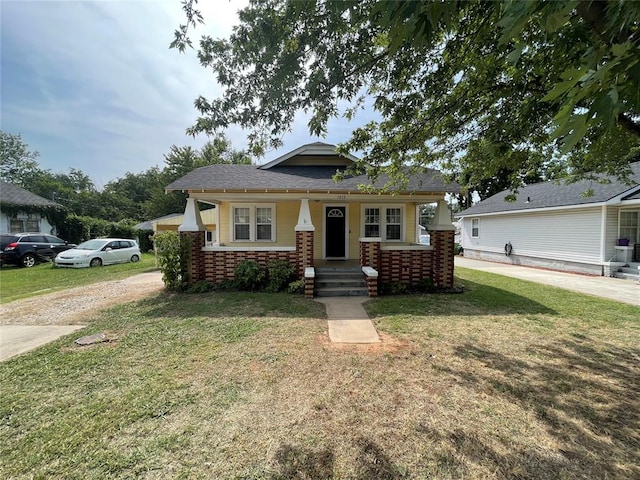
x: 313, y: 179
x: 308, y: 168
x: 311, y: 154
x: 19, y: 196
x: 552, y: 194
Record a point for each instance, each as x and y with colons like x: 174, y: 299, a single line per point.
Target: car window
x: 33, y: 239
x: 125, y: 244
x: 112, y: 245
x: 51, y: 239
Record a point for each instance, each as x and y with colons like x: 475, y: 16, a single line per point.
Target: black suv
x: 26, y: 249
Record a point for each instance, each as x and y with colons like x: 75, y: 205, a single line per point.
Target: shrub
x: 173, y: 255
x: 426, y: 285
x: 280, y: 273
x: 203, y: 286
x: 393, y: 288
x: 250, y: 275
x: 297, y: 287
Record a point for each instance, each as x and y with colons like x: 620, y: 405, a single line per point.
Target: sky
x: 93, y: 85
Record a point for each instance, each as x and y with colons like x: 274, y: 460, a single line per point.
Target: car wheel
x: 95, y: 262
x: 135, y: 258
x: 28, y: 260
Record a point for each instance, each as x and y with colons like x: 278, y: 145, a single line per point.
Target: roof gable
x: 558, y: 194
x: 313, y: 154
x: 19, y: 196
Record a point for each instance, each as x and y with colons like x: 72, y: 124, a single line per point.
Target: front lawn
x: 508, y: 380
x: 17, y: 282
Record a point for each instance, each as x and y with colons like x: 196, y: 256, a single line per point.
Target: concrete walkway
x: 348, y: 321
x: 17, y: 339
x: 625, y: 291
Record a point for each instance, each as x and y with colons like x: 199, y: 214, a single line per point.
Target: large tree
x: 18, y: 164
x: 541, y: 85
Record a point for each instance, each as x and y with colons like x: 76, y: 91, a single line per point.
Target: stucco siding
x: 572, y: 235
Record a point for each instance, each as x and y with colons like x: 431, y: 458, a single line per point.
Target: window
x: 254, y: 223
x: 394, y: 223
x: 371, y: 222
x: 475, y: 228
x: 384, y: 222
x: 629, y: 226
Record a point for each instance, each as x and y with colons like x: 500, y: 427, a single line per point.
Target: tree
x: 182, y: 160
x: 18, y: 164
x: 544, y: 84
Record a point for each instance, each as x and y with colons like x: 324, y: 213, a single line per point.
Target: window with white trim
x: 475, y: 228
x: 630, y: 226
x: 254, y: 223
x: 381, y: 221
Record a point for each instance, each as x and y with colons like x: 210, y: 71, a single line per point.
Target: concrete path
x: 620, y: 290
x: 17, y: 339
x: 348, y: 321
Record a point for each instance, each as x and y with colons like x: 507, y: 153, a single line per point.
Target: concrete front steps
x: 340, y: 282
x: 632, y: 272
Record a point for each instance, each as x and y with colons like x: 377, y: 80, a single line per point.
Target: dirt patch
x: 73, y: 306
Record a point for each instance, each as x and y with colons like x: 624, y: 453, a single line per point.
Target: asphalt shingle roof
x: 312, y: 178
x: 19, y: 196
x: 552, y: 194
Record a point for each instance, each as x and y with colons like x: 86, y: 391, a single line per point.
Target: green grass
x: 17, y: 282
x: 507, y: 380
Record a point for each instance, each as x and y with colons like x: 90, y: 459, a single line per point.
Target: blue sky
x: 92, y: 85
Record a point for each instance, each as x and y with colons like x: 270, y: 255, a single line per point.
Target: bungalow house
x: 555, y: 225
x: 23, y: 211
x: 292, y: 209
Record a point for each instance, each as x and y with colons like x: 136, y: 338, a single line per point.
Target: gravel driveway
x: 28, y: 323
x: 72, y: 306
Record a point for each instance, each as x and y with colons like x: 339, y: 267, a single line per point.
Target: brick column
x: 370, y: 253
x: 443, y: 254
x: 195, y: 269
x: 304, y: 251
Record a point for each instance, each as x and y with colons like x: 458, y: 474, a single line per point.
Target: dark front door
x: 335, y: 231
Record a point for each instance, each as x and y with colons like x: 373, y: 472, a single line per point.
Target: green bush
x: 296, y: 287
x: 203, y: 286
x: 76, y: 228
x: 426, y: 285
x: 393, y: 288
x: 172, y: 252
x: 250, y: 276
x: 279, y: 274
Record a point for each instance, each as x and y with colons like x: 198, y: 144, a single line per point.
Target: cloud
x: 93, y: 85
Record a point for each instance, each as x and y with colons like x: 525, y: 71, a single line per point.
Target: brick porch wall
x: 216, y: 266
x: 405, y: 266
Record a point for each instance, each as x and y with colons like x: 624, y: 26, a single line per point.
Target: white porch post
x: 442, y: 217
x: 304, y: 217
x: 191, y: 222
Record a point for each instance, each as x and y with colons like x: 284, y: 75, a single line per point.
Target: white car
x: 100, y: 251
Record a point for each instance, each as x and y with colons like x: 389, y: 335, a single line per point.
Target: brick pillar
x: 304, y: 250
x: 443, y: 254
x: 195, y: 266
x: 372, y: 286
x: 370, y: 254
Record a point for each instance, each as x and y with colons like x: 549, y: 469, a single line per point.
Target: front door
x: 335, y: 230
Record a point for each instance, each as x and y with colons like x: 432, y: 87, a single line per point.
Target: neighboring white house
x: 23, y: 211
x: 555, y: 225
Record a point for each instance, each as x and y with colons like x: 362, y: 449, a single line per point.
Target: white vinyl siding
x: 254, y: 223
x: 570, y: 235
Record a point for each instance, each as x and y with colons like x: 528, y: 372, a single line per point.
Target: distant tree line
x: 131, y: 199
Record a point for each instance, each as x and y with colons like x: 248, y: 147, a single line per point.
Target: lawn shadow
x: 476, y: 299
x: 232, y: 305
x: 585, y: 391
x: 299, y: 463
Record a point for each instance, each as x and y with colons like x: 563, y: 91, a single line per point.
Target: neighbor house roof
x: 559, y: 194
x: 284, y: 174
x: 19, y: 196
x: 148, y: 224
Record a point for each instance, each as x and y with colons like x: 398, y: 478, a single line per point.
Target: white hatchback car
x: 99, y: 251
